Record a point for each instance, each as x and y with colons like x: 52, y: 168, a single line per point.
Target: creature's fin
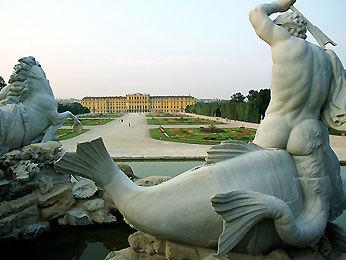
x: 90, y: 159
x: 229, y: 149
x: 241, y: 210
x: 337, y: 236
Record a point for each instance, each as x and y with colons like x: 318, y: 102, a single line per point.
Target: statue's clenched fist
x: 284, y: 5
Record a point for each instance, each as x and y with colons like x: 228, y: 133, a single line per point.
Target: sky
x: 203, y: 48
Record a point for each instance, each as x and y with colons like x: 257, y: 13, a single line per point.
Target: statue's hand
x: 284, y: 5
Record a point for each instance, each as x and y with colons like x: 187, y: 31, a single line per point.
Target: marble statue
x: 28, y: 109
x: 282, y: 190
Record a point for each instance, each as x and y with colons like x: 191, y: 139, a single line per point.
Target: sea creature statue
x: 28, y: 109
x: 283, y: 190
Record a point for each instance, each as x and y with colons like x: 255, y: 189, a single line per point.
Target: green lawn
x: 89, y: 121
x: 163, y: 115
x: 67, y: 133
x: 100, y: 115
x: 200, y: 136
x: 179, y: 121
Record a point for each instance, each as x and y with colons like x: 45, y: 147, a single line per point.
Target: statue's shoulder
x: 293, y: 47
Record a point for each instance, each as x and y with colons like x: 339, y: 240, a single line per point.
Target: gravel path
x: 124, y: 141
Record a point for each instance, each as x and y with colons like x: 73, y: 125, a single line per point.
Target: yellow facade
x: 137, y: 103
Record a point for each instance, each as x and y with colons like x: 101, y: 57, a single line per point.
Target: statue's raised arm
x: 265, y: 28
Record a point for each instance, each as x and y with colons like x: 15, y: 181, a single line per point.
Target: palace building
x: 136, y: 103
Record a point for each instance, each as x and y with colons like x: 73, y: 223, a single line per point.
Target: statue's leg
x: 306, y: 145
x: 332, y: 165
x: 273, y: 132
x: 58, y: 122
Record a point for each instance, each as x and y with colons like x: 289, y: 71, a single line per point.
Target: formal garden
x: 179, y: 121
x: 158, y: 114
x: 203, y: 135
x: 67, y: 133
x: 89, y: 121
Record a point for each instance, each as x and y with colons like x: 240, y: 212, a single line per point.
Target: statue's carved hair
x: 293, y: 22
x: 20, y: 88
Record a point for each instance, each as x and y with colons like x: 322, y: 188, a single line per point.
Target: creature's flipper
x: 91, y: 160
x: 337, y: 236
x: 241, y: 210
x: 229, y: 149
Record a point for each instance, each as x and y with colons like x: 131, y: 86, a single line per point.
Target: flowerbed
x: 179, y: 121
x: 198, y: 136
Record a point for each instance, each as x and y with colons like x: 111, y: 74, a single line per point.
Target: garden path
x: 124, y: 142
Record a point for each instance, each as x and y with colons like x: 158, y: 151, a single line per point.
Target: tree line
x: 250, y: 108
x: 75, y: 108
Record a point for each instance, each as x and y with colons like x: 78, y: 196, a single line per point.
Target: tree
x: 252, y: 96
x: 263, y: 101
x: 75, y: 108
x: 217, y: 112
x: 237, y: 97
x: 2, y: 83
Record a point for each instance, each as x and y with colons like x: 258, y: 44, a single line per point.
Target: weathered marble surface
x: 282, y: 191
x: 27, y: 105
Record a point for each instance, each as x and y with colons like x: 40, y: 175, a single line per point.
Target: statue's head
x: 293, y: 23
x: 26, y: 77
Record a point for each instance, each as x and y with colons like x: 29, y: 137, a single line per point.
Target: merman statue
x: 282, y: 190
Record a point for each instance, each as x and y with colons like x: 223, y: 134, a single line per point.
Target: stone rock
x: 57, y: 202
x: 2, y: 174
x: 3, y: 184
x: 58, y: 192
x: 14, y: 206
x: 24, y: 169
x: 127, y: 170
x: 48, y: 151
x: 93, y: 205
x: 77, y: 217
x: 144, y: 246
x: 102, y: 216
x: 130, y: 254
x: 151, y: 180
x: 45, y: 184
x: 62, y: 221
x: 84, y: 188
x: 10, y: 157
x: 13, y: 223
x: 145, y: 243
x: 32, y: 231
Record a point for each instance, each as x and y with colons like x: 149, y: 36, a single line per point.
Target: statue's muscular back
x: 300, y: 80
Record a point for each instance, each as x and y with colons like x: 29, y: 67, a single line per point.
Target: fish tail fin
x: 241, y: 210
x: 91, y: 160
